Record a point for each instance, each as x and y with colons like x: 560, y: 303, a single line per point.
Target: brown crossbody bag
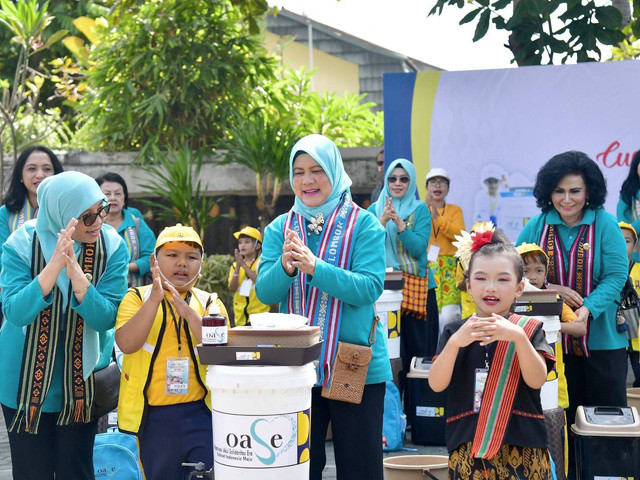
x: 349, y: 370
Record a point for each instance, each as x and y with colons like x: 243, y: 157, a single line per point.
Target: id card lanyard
x: 177, y: 376
x: 480, y: 381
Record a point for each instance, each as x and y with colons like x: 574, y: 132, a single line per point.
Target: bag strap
x: 372, y: 333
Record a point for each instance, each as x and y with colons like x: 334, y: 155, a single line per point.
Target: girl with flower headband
x: 324, y: 259
x: 493, y: 365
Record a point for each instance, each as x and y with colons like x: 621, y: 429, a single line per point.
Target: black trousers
x: 418, y: 338
x: 598, y: 380
x: 66, y: 451
x: 357, y: 434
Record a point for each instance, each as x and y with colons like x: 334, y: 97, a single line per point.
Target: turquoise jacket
x: 358, y: 288
x: 610, y: 270
x: 626, y: 213
x: 415, y: 239
x: 22, y: 302
x: 5, y: 228
x: 146, y: 238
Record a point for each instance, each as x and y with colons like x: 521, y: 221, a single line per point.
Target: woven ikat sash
x: 578, y: 275
x: 336, y: 248
x: 40, y: 349
x: 499, y: 393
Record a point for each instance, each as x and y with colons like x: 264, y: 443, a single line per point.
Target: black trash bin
x: 607, y: 442
x: 424, y: 407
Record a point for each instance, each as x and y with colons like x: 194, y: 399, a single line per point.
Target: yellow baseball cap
x: 178, y: 233
x: 529, y: 248
x: 628, y: 226
x: 249, y: 232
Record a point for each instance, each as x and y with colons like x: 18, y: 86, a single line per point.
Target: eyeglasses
x: 440, y: 183
x: 394, y: 179
x: 90, y: 218
x: 380, y: 162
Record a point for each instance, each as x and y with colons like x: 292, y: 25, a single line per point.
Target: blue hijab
x: 404, y: 206
x: 60, y: 198
x: 326, y: 153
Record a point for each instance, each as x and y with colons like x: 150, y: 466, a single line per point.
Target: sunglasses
x: 380, y: 162
x: 90, y: 218
x: 394, y: 179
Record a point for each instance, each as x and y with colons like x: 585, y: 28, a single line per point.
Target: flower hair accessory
x: 468, y: 243
x: 316, y: 223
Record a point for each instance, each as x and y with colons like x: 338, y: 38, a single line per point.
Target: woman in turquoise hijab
x: 63, y: 276
x: 324, y: 259
x: 407, y: 222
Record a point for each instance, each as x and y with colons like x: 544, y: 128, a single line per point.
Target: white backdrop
x: 516, y: 119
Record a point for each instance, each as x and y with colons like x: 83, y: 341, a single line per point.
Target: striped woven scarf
x: 17, y: 219
x: 499, y: 393
x: 41, y: 346
x: 131, y: 239
x: 335, y: 248
x: 578, y: 275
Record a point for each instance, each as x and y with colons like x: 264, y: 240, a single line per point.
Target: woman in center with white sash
x: 325, y: 259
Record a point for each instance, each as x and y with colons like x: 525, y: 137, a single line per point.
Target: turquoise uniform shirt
x: 146, y: 238
x: 415, y: 239
x: 358, y: 288
x: 610, y: 270
x: 22, y: 301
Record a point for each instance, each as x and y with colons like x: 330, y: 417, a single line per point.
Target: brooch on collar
x: 316, y: 223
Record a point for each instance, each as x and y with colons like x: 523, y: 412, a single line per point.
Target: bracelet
x: 235, y: 274
x: 83, y: 289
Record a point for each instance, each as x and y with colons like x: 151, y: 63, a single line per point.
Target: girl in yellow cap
x: 243, y: 274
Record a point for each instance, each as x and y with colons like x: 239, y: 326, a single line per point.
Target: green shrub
x: 215, y: 272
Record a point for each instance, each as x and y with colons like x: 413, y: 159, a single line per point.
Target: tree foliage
x: 543, y: 31
x: 172, y: 72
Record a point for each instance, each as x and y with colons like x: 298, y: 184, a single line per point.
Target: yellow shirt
x: 244, y: 306
x: 168, y: 347
x: 563, y: 395
x: 444, y: 229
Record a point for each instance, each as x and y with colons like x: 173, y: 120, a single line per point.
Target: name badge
x: 177, y: 380
x: 481, y: 380
x: 432, y: 254
x: 245, y: 288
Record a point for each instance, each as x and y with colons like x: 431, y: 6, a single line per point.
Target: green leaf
x: 609, y: 17
x: 470, y: 16
x: 482, y: 26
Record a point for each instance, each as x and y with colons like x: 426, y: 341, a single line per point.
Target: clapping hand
x: 296, y: 255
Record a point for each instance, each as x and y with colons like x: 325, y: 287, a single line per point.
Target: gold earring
x: 549, y: 202
x: 587, y: 202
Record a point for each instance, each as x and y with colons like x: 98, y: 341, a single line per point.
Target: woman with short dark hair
x: 130, y: 224
x: 588, y: 267
x: 628, y: 209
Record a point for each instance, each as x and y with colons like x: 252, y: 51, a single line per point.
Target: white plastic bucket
x: 261, y: 421
x: 388, y: 309
x: 409, y: 467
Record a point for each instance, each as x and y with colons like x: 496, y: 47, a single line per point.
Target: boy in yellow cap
x: 536, y: 264
x: 164, y: 400
x: 631, y: 240
x: 243, y: 274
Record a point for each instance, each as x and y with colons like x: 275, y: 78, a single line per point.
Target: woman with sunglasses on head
x: 407, y: 223
x: 131, y: 226
x: 63, y: 277
x: 447, y: 222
